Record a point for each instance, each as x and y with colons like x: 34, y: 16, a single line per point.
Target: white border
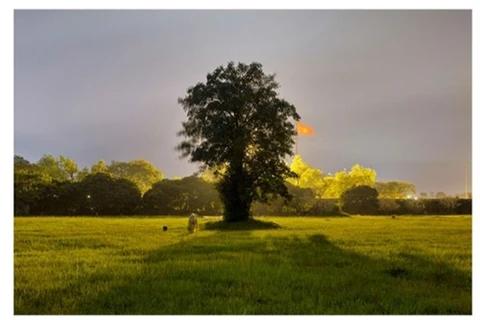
x: 6, y: 21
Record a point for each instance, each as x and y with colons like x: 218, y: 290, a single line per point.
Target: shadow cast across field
x: 240, y: 273
x: 250, y: 225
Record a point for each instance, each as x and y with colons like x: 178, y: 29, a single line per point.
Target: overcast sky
x: 390, y: 90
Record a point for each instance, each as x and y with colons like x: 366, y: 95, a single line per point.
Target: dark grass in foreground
x: 359, y: 265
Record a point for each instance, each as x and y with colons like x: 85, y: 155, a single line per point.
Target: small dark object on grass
x: 393, y: 217
x: 165, y: 228
x: 397, y: 272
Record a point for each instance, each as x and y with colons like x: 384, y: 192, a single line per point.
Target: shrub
x: 388, y: 206
x: 359, y: 200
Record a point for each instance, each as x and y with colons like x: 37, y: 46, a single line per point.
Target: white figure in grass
x: 192, y: 223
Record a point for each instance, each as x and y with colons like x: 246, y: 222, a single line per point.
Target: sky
x: 389, y: 90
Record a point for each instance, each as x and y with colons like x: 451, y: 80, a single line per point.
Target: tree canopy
x: 237, y: 120
x: 396, y: 189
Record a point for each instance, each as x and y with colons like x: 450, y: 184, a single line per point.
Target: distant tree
x: 27, y: 187
x: 164, y: 198
x: 100, y: 167
x: 213, y: 174
x: 360, y: 200
x: 432, y: 194
x: 83, y: 173
x: 117, y: 169
x: 20, y: 162
x: 141, y: 172
x: 28, y: 181
x: 199, y: 195
x: 344, y: 180
x: 308, y: 177
x: 440, y: 195
x: 423, y: 195
x: 395, y: 189
x: 51, y: 167
x: 302, y: 201
x: 236, y: 119
x: 182, y: 196
x: 127, y: 197
x: 362, y: 176
x: 330, y: 187
x: 59, y: 198
x: 68, y: 166
x: 106, y: 195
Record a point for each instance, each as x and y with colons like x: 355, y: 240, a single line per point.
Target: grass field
x: 357, y: 265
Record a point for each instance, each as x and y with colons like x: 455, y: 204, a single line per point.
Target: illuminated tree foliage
x: 344, y: 180
x: 308, y: 177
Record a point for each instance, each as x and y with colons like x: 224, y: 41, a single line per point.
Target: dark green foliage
x: 394, y: 189
x: 425, y: 206
x: 183, y: 196
x: 360, y: 200
x: 59, y: 198
x: 236, y: 120
x: 326, y: 208
x: 27, y: 184
x: 410, y: 206
x: 319, y: 208
x: 97, y: 194
x: 302, y: 200
x: 105, y: 195
x: 464, y: 206
x: 35, y: 193
x: 20, y: 162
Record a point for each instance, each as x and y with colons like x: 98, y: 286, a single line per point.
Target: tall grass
x: 357, y: 265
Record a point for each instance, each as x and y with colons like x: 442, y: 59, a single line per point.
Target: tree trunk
x: 235, y: 196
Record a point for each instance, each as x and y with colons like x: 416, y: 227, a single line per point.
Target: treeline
x: 55, y: 186
x: 100, y: 194
x: 49, y: 169
x: 360, y: 200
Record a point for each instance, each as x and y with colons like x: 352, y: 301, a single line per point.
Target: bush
x: 360, y: 200
x: 464, y: 206
x: 101, y: 194
x: 182, y: 197
x: 325, y: 208
x: 303, y: 200
x: 410, y: 206
x: 388, y: 206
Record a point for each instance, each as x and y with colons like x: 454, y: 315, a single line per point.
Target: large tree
x: 237, y: 120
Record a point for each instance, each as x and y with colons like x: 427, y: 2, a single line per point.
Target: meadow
x: 325, y: 266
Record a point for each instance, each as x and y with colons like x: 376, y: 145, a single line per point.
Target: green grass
x: 357, y: 265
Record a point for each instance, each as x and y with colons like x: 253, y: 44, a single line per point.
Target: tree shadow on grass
x: 249, y: 225
x: 244, y: 274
